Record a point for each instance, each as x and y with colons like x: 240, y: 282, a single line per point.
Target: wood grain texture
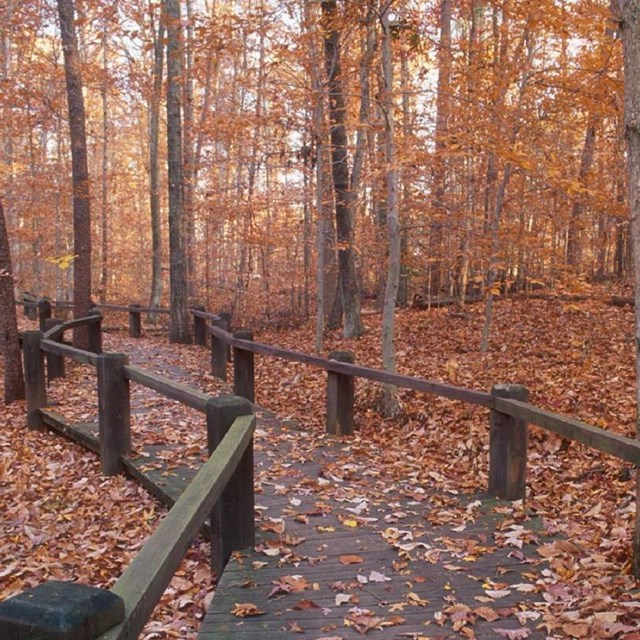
x: 146, y: 578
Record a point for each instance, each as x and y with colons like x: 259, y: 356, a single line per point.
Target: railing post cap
x: 513, y: 391
x: 228, y: 401
x: 342, y: 356
x: 134, y: 306
x: 243, y: 334
x: 60, y: 610
x: 32, y: 334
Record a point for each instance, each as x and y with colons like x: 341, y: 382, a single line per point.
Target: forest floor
x: 62, y: 520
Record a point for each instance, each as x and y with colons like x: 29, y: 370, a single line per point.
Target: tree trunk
x: 469, y: 217
x: 390, y: 401
x: 80, y: 171
x: 629, y: 16
x: 104, y: 217
x: 13, y: 380
x: 574, y: 234
x: 494, y: 227
x: 347, y: 274
x: 154, y: 167
x: 439, y: 160
x: 179, y: 327
x: 188, y: 156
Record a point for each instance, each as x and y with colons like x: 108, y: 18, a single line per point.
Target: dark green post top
x: 60, y: 611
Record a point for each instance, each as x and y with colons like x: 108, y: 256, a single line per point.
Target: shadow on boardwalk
x: 343, y: 550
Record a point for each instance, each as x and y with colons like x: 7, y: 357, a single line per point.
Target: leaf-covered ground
x: 62, y: 519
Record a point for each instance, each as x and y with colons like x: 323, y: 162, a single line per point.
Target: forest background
x: 501, y: 120
x: 328, y: 154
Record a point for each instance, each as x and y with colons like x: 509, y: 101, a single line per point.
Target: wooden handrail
x: 168, y: 388
x: 600, y: 439
x: 206, y: 315
x: 145, y: 579
x: 595, y: 437
x: 59, y: 330
x: 407, y: 382
x: 78, y: 355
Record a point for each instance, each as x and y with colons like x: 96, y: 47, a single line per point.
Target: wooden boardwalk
x: 344, y: 552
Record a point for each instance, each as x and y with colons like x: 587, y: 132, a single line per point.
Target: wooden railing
x: 507, y: 403
x: 509, y: 409
x: 510, y: 413
x: 144, y: 581
x: 221, y: 492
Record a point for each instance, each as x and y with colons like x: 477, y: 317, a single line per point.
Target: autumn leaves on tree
x: 506, y: 119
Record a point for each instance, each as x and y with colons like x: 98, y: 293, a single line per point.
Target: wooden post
x: 232, y: 519
x: 34, y: 378
x: 219, y: 350
x: 29, y: 302
x: 57, y: 609
x: 243, y: 369
x: 55, y: 362
x: 135, y: 321
x: 225, y: 319
x: 114, y: 411
x: 44, y: 312
x: 340, y: 397
x: 508, y: 447
x: 95, y: 332
x: 199, y: 327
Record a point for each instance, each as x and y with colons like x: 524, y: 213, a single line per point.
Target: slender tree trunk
x: 154, y: 165
x: 467, y: 222
x: 13, y: 380
x: 340, y: 169
x: 80, y: 171
x: 6, y: 29
x: 494, y: 227
x: 179, y: 328
x: 629, y: 16
x: 104, y: 216
x: 390, y: 401
x: 576, y: 223
x: 188, y: 155
x: 439, y: 161
x: 406, y: 191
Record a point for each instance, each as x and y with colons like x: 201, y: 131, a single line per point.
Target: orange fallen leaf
x: 351, y: 559
x: 245, y: 610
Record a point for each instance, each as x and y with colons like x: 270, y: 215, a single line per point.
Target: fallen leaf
x: 305, y: 604
x: 376, y: 576
x: 246, y: 609
x: 514, y: 634
x: 351, y: 559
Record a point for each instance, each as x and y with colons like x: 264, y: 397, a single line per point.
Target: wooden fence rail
x: 509, y: 410
x: 144, y: 581
x: 231, y: 518
x: 224, y: 342
x: 221, y: 492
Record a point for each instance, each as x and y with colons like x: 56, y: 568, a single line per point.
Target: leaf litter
x: 584, y: 499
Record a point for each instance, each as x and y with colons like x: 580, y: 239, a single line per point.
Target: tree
x: 628, y: 13
x: 390, y: 403
x: 443, y: 100
x: 154, y: 165
x: 574, y: 234
x: 344, y: 196
x: 13, y: 380
x: 179, y: 329
x: 79, y: 169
